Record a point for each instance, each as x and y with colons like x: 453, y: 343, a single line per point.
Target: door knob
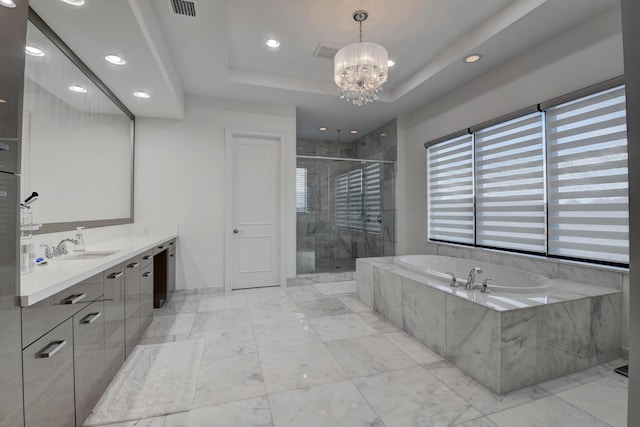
x: 236, y: 231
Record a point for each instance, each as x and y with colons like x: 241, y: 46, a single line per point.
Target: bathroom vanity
x: 82, y: 315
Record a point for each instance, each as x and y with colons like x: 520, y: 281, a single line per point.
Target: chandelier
x: 360, y: 69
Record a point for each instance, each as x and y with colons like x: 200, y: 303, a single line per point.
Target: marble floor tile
x: 413, y: 397
x: 336, y: 405
x: 302, y: 293
x: 242, y: 413
x: 227, y: 379
x: 482, y: 398
x: 550, y: 411
x: 170, y: 325
x: 319, y: 307
x: 377, y: 322
x: 221, y: 319
x: 222, y: 302
x: 413, y: 348
x: 178, y: 305
x: 270, y: 312
x: 335, y: 288
x: 163, y: 339
x: 354, y: 304
x: 297, y: 367
x: 478, y: 422
x: 283, y: 334
x: 340, y: 327
x: 147, y: 422
x: 605, y: 399
x: 566, y: 382
x: 368, y: 355
x: 227, y: 342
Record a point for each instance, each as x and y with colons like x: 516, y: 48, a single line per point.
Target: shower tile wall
x: 321, y: 247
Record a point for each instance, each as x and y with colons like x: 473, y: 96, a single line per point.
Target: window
x: 588, y: 184
x: 302, y: 195
x: 357, y: 199
x: 552, y: 183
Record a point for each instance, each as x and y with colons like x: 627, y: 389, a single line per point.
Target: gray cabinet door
x: 146, y: 297
x: 89, y: 358
x: 48, y: 379
x: 171, y: 272
x: 132, y: 303
x: 114, y: 324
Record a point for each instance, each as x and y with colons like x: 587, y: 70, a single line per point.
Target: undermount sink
x: 89, y: 255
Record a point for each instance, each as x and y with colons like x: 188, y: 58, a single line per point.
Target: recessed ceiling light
x: 115, y: 59
x: 8, y: 3
x: 323, y: 128
x: 142, y: 94
x: 77, y: 89
x: 74, y: 2
x: 3, y: 101
x: 273, y: 43
x: 354, y: 131
x: 391, y: 63
x: 472, y: 58
x: 33, y: 51
x: 382, y: 135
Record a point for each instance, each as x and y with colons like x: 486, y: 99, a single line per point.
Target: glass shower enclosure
x: 345, y: 210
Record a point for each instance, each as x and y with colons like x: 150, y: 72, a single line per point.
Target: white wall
x: 179, y: 179
x: 583, y: 56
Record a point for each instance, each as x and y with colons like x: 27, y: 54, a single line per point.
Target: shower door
x: 346, y: 210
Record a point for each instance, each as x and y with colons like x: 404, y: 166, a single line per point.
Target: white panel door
x: 255, y: 212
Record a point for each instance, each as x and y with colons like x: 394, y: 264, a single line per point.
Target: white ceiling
x: 222, y: 52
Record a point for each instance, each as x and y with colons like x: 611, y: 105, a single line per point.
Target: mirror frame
x: 39, y: 23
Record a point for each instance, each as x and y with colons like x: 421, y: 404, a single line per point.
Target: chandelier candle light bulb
x: 360, y: 69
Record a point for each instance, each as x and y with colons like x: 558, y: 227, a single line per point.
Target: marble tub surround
x: 253, y: 376
x: 505, y: 341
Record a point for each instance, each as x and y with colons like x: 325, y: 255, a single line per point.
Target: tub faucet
x: 471, y: 281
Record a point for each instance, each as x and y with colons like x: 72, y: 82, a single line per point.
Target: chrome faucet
x: 471, y: 281
x: 58, y: 250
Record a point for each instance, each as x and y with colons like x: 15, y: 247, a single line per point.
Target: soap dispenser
x: 79, y: 246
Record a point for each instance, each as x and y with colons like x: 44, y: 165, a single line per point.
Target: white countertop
x: 58, y: 274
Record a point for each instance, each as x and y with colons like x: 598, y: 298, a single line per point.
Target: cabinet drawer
x: 161, y: 247
x: 146, y: 258
x: 172, y: 244
x: 9, y: 155
x: 41, y: 317
x: 48, y: 379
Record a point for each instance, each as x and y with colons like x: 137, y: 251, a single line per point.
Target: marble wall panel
x: 387, y: 295
x: 518, y: 329
x: 563, y: 338
x: 364, y: 278
x: 423, y: 314
x: 593, y: 276
x: 606, y: 319
x: 473, y: 340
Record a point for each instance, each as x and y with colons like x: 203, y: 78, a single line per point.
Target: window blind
x: 510, y: 181
x: 588, y: 182
x: 354, y: 220
x: 341, y: 200
x: 450, y: 187
x: 302, y: 196
x: 371, y: 198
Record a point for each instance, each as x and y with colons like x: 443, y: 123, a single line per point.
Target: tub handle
x: 454, y: 279
x: 485, y: 286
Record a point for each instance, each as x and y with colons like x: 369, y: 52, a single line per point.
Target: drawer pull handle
x: 4, y: 147
x: 90, y: 318
x: 74, y: 298
x: 133, y: 265
x: 147, y: 274
x: 172, y: 255
x: 51, y: 349
x: 146, y: 257
x: 115, y: 275
x: 161, y: 247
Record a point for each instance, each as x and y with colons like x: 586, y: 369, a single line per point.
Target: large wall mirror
x: 77, y: 143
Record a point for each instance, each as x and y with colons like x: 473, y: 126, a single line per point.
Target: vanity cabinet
x: 89, y: 367
x: 132, y: 302
x: 146, y: 297
x: 114, y: 323
x: 171, y: 268
x: 48, y: 379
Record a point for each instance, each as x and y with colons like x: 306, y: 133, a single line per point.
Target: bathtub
x: 527, y: 330
x: 506, y: 279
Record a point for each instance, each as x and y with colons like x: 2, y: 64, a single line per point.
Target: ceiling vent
x: 184, y: 8
x: 324, y: 51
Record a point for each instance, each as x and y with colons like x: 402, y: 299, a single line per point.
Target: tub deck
x: 505, y: 341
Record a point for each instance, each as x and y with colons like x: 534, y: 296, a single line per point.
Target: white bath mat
x: 155, y: 380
